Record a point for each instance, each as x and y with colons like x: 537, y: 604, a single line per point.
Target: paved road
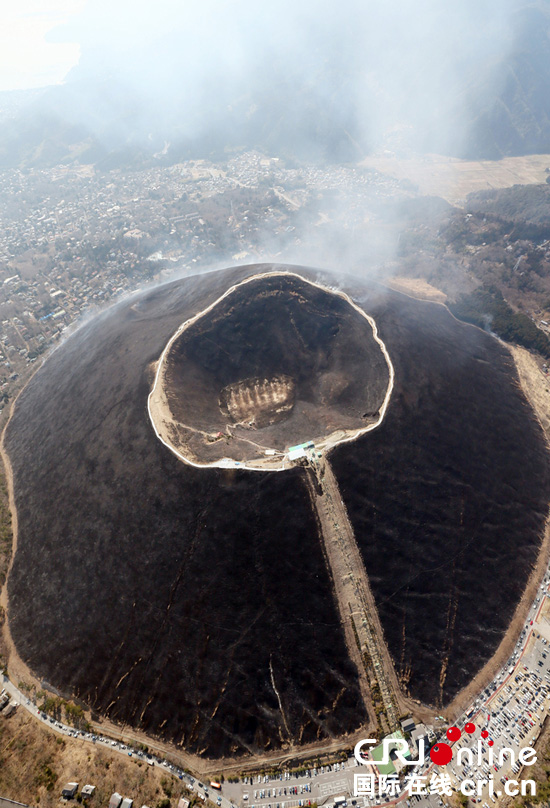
x: 90, y: 737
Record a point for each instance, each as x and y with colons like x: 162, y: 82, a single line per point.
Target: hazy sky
x: 385, y: 67
x: 27, y: 57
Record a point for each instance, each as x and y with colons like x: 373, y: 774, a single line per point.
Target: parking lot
x: 287, y: 790
x: 512, y: 713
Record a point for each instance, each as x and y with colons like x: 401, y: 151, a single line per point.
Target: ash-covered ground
x: 165, y: 596
x: 187, y: 602
x: 277, y: 362
x: 448, y: 497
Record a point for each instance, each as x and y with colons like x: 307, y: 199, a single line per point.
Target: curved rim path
x: 158, y: 409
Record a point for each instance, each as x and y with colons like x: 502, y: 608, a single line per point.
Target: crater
x: 275, y: 361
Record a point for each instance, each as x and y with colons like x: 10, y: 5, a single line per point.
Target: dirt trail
x: 16, y: 667
x: 356, y: 604
x: 535, y: 385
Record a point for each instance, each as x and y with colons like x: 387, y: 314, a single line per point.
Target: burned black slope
x: 448, y: 498
x: 169, y: 597
x: 178, y: 599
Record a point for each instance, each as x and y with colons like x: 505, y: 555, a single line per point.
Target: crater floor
x: 276, y: 361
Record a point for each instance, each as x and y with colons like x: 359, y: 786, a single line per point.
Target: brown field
x: 454, y: 179
x: 418, y: 288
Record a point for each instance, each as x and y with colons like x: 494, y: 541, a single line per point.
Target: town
x: 74, y: 239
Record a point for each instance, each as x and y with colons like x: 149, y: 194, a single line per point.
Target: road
x: 356, y: 604
x: 113, y: 745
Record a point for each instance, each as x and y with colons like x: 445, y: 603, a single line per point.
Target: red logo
x: 441, y: 753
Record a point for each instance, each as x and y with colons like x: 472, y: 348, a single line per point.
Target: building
x: 408, y: 726
x: 88, y: 791
x: 115, y: 800
x: 127, y: 803
x: 10, y: 709
x: 300, y: 450
x: 69, y: 791
x: 418, y: 734
x: 393, y: 765
x: 183, y: 803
